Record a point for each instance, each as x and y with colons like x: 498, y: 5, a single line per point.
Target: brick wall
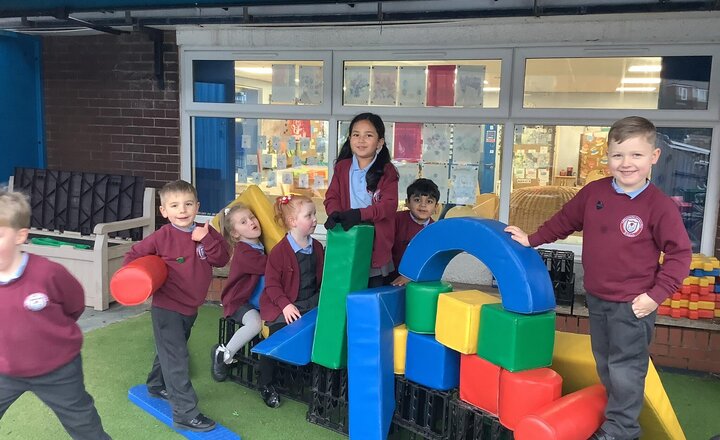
x: 104, y: 111
x: 676, y: 347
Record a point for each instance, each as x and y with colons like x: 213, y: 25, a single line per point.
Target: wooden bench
x: 93, y: 220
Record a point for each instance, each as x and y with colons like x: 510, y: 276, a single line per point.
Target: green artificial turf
x: 118, y: 357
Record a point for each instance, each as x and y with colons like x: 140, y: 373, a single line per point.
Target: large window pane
x: 427, y: 83
x: 653, y: 83
x: 552, y: 162
x: 280, y: 156
x: 462, y: 159
x: 258, y: 82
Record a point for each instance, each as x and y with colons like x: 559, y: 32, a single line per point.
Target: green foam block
x: 421, y: 301
x: 347, y: 267
x: 513, y: 341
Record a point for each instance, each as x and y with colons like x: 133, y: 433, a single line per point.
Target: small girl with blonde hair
x: 242, y: 231
x: 292, y: 277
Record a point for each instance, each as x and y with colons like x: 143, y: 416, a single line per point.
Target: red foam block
x: 526, y: 391
x: 574, y: 416
x: 133, y: 283
x: 479, y: 382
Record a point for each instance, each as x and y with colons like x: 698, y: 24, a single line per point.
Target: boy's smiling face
x: 630, y: 161
x: 180, y: 208
x: 422, y: 207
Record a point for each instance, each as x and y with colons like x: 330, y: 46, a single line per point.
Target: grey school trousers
x: 171, y: 367
x: 620, y: 343
x: 63, y: 390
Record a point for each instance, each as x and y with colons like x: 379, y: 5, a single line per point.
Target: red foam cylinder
x: 133, y: 283
x: 575, y: 416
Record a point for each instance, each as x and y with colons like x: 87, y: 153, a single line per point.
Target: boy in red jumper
x: 422, y: 198
x: 40, y: 303
x: 189, y: 251
x: 626, y: 222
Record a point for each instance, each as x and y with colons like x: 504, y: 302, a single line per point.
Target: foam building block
x: 521, y: 275
x: 255, y: 295
x: 372, y: 315
x: 523, y: 392
x: 479, y: 382
x: 421, y: 305
x: 516, y: 342
x: 347, y: 266
x: 399, y: 344
x: 458, y: 319
x: 291, y: 344
x: 430, y: 363
x: 573, y: 360
x: 255, y: 199
x: 135, y: 282
x: 574, y: 416
x: 160, y: 409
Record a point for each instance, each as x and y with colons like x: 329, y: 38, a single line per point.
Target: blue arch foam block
x: 371, y: 316
x: 522, y: 277
x: 160, y: 409
x: 291, y: 344
x: 255, y: 296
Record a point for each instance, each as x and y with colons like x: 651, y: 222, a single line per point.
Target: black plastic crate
x: 561, y: 268
x: 421, y: 410
x: 470, y: 423
x: 329, y: 403
x: 291, y: 381
x: 564, y: 292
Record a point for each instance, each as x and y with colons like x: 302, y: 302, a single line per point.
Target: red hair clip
x: 284, y: 200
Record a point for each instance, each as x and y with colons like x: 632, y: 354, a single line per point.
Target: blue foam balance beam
x: 160, y: 409
x: 291, y: 344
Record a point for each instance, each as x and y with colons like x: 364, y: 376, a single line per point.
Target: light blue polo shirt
x: 359, y: 195
x: 631, y: 194
x: 20, y: 270
x: 296, y: 247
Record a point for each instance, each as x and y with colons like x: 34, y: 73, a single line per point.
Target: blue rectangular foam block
x: 371, y: 316
x: 430, y: 363
x: 291, y: 344
x: 160, y: 409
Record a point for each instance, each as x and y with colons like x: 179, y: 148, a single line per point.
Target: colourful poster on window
x: 441, y: 86
x: 357, y: 86
x: 408, y: 141
x: 311, y: 82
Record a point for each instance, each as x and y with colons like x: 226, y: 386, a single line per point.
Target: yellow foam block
x: 684, y: 303
x: 573, y: 360
x: 690, y: 281
x: 458, y: 319
x: 706, y: 305
x: 400, y: 340
x: 255, y: 199
x: 704, y: 281
x: 693, y: 305
x: 675, y: 304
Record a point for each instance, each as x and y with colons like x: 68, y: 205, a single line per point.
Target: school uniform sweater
x: 282, y: 278
x: 381, y: 213
x: 38, y: 319
x: 189, y: 265
x: 405, y: 229
x: 246, y: 267
x: 622, y: 241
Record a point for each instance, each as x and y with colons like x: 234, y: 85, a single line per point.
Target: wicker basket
x: 530, y: 207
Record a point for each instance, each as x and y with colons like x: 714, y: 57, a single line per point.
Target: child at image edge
x: 422, y: 198
x: 242, y: 231
x: 364, y: 187
x: 292, y: 278
x: 40, y: 303
x: 189, y: 251
x: 626, y: 222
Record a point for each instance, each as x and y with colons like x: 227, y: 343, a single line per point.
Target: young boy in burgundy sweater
x: 189, y: 251
x: 40, y: 303
x: 626, y: 222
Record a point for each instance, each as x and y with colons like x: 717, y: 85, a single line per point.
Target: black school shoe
x: 159, y: 393
x: 270, y: 396
x: 198, y: 424
x: 219, y: 368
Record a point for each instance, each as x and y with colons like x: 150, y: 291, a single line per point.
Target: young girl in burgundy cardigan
x: 242, y: 231
x: 364, y: 188
x: 292, y: 278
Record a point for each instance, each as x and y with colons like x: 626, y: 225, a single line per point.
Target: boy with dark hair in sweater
x: 189, y: 251
x: 40, y: 341
x: 626, y: 222
x: 422, y: 198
